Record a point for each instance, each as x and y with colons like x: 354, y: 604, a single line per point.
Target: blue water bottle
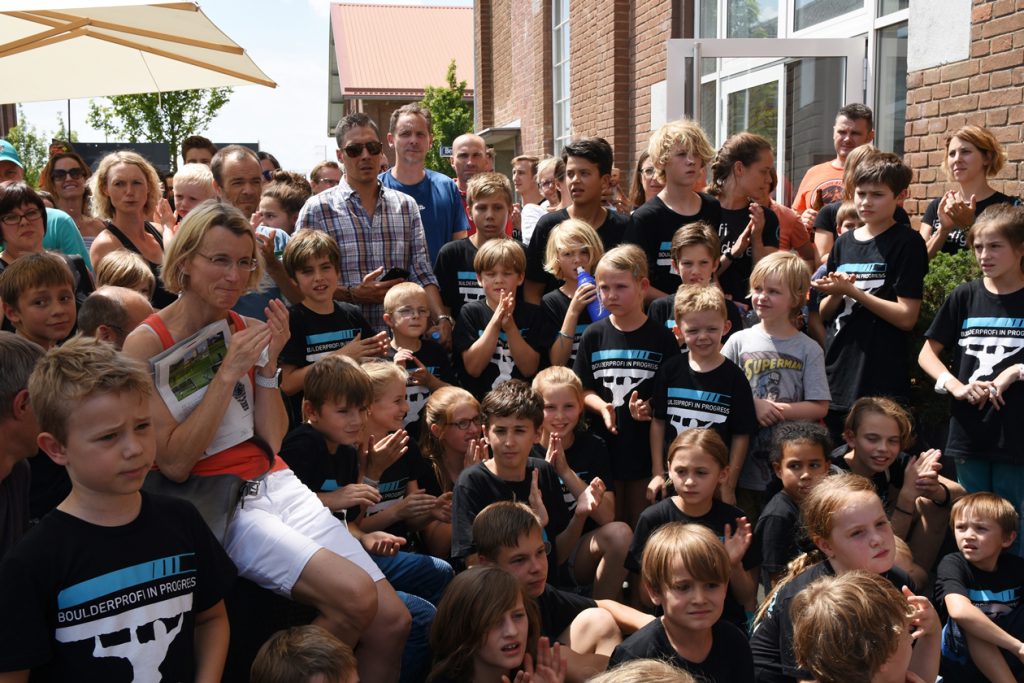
x: 594, y: 308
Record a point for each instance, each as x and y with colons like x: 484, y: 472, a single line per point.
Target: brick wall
x: 983, y: 90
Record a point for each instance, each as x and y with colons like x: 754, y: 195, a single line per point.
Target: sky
x: 288, y: 40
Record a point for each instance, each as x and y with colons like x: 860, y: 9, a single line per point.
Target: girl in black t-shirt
x: 572, y: 244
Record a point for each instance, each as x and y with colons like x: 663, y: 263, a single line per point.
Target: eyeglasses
x: 547, y: 183
x: 225, y: 263
x: 16, y: 218
x: 327, y: 181
x: 60, y: 174
x: 406, y: 312
x: 648, y: 172
x: 466, y: 424
x: 356, y: 148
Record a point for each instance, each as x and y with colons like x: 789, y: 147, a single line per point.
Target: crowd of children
x: 560, y: 492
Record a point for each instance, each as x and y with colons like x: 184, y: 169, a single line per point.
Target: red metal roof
x: 397, y: 50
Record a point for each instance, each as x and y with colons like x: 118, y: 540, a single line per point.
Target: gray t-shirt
x: 786, y: 370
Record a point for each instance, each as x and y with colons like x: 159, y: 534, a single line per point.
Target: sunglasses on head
x: 60, y: 174
x: 356, y: 148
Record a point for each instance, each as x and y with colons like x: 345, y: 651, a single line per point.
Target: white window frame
x: 561, y: 93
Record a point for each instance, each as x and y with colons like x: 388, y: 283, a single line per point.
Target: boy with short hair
x: 407, y: 315
x: 701, y: 388
x: 873, y: 292
x: 499, y: 338
x: 38, y: 295
x: 114, y: 584
x: 616, y: 362
x: 489, y: 203
x: 784, y: 367
x: 513, y: 413
x: 193, y: 185
x: 588, y: 168
x: 858, y: 628
x: 319, y: 324
x: 696, y: 252
x: 304, y: 654
x: 799, y: 457
x: 980, y: 588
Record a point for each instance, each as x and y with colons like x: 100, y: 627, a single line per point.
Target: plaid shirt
x: 394, y: 238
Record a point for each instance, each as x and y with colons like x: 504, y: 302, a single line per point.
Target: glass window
x: 814, y: 93
x: 890, y: 6
x: 807, y: 13
x: 708, y: 19
x: 753, y: 19
x: 891, y: 91
x: 560, y: 92
x: 755, y: 110
x: 709, y: 109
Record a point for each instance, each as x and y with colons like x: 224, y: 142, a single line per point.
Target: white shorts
x: 274, y: 534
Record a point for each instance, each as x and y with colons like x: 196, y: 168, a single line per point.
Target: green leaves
x: 452, y: 116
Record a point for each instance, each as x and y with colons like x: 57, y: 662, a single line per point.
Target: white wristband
x: 940, y: 383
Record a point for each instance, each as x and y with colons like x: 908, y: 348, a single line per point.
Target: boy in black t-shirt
x: 407, y: 315
x: 114, y: 584
x: 319, y: 325
x: 982, y: 589
x: 499, y: 338
x: 873, y: 292
x: 508, y: 535
x: 701, y: 388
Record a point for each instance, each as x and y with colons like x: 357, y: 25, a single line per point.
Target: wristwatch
x: 269, y: 382
x: 451, y: 320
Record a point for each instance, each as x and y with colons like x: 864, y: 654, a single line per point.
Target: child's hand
x: 417, y: 506
x: 975, y: 393
x: 1002, y: 382
x: 581, y: 298
x: 639, y: 410
x: 381, y: 543
x: 551, y: 665
x: 736, y: 544
x: 655, y: 488
x: 922, y: 472
x: 442, y: 511
x: 768, y: 413
x: 591, y: 497
x: 383, y: 454
x: 506, y: 309
x: 476, y: 452
x: 607, y: 413
x: 537, y: 500
x: 556, y: 455
x: 419, y: 374
x: 923, y: 618
x: 371, y: 347
x: 836, y: 284
x: 913, y: 678
x: 362, y: 495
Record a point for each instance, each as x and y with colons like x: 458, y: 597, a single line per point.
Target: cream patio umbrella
x: 68, y: 51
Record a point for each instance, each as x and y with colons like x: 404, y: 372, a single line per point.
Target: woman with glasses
x: 22, y: 226
x: 646, y: 185
x: 281, y: 536
x: 65, y: 176
x: 551, y: 180
x: 125, y: 190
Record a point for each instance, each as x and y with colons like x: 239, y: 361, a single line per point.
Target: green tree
x: 452, y: 117
x: 168, y: 117
x: 33, y: 147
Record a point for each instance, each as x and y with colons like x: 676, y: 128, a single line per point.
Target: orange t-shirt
x: 825, y: 177
x: 792, y: 233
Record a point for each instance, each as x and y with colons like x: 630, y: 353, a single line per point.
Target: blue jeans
x: 416, y: 656
x: 1001, y: 478
x: 421, y: 575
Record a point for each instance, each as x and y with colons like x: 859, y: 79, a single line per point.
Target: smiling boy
x: 38, y: 297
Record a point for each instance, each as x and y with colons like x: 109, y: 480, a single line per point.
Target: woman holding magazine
x: 282, y: 538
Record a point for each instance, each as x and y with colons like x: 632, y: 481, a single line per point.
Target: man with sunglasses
x: 441, y: 209
x: 61, y: 234
x: 378, y: 229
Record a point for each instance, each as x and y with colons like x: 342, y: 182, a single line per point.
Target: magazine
x: 182, y: 373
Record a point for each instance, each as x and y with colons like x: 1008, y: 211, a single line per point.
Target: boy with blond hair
x: 783, y: 366
x: 488, y: 204
x: 407, y: 315
x: 701, y: 388
x: 38, y: 295
x: 114, y: 584
x: 499, y: 338
x: 980, y: 587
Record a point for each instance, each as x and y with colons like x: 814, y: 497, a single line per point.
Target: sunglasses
x: 356, y: 148
x: 60, y: 174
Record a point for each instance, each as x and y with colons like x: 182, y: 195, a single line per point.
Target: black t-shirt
x: 393, y: 483
x: 556, y: 305
x: 735, y: 281
x: 612, y: 233
x: 666, y: 511
x: 654, y: 224
x: 772, y: 639
x: 438, y: 363
x: 887, y: 484
x: 614, y: 364
x: 984, y: 332
x: 869, y: 356
x: 957, y: 238
x: 779, y: 535
x: 533, y: 325
x: 826, y: 220
x: 995, y: 593
x: 96, y: 603
x: 588, y: 457
x: 50, y: 485
x: 686, y: 399
x: 14, y: 506
x: 478, y: 487
x: 557, y: 610
x: 456, y: 277
x: 728, y: 661
x: 663, y: 311
x: 305, y: 451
